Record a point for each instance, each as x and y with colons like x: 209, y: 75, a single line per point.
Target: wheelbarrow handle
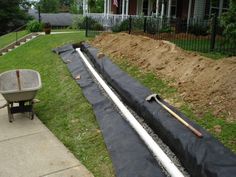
x: 18, y: 79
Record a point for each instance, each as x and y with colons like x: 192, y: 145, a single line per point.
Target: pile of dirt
x: 204, y: 82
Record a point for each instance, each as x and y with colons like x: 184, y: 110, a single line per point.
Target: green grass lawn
x: 228, y: 134
x: 11, y: 37
x: 63, y: 108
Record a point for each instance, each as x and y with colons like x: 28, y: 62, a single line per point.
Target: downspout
x: 151, y: 144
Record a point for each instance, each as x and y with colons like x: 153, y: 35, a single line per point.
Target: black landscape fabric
x: 202, y: 157
x: 130, y: 156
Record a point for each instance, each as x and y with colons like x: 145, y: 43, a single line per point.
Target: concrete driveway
x: 29, y: 149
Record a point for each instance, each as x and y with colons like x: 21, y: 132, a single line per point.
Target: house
x: 55, y: 19
x: 183, y: 9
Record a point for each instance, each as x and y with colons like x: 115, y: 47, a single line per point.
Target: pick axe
x: 157, y: 99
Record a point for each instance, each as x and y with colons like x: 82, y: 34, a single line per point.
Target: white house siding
x: 199, y: 9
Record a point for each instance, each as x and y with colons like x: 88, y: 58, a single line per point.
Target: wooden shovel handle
x: 195, y: 131
x: 18, y: 79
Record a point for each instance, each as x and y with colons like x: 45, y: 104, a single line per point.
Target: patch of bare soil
x: 207, y: 84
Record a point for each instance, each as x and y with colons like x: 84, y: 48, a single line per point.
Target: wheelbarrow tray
x: 30, y: 82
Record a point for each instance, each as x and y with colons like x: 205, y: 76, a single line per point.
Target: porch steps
x: 18, y: 43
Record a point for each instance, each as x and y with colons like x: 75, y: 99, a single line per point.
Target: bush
x: 228, y: 22
x: 34, y: 26
x: 198, y: 29
x: 136, y: 24
x: 77, y: 19
x: 116, y: 28
x: 92, y: 24
x: 153, y: 25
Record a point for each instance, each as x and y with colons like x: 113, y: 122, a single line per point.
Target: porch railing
x: 109, y: 20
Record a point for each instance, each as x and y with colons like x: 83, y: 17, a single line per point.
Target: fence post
x: 130, y: 24
x: 213, y: 32
x: 16, y: 38
x: 86, y: 26
x: 39, y: 14
x: 145, y: 25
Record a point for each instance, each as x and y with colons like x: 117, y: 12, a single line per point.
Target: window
x: 173, y: 8
x: 145, y: 7
x: 219, y: 6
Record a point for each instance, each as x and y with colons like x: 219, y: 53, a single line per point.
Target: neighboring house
x: 183, y: 9
x: 55, y: 19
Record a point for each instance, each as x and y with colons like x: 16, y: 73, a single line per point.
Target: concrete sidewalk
x: 29, y: 149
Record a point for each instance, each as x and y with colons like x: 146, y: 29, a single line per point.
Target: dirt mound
x: 204, y: 82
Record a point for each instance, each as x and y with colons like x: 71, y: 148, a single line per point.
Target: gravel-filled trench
x: 163, y: 146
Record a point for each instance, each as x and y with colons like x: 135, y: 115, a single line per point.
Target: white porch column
x: 105, y: 7
x: 162, y: 9
x: 189, y: 10
x: 221, y: 7
x: 127, y: 8
x: 123, y: 8
x: 108, y: 8
x: 83, y: 7
x: 169, y: 9
x: 157, y: 8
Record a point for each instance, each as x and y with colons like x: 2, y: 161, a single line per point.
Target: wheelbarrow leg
x: 32, y: 110
x: 10, y: 115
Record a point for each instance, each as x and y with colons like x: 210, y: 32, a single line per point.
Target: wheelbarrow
x: 19, y: 88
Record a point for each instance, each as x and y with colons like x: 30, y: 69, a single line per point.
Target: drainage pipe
x: 152, y: 145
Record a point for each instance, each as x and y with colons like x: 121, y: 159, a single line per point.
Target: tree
x: 12, y: 15
x: 96, y: 6
x: 228, y: 22
x: 49, y: 6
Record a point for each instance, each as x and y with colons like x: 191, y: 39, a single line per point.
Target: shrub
x: 34, y: 26
x: 92, y: 24
x: 152, y: 25
x: 228, y: 22
x: 116, y: 28
x: 136, y: 24
x: 198, y: 29
x: 76, y: 21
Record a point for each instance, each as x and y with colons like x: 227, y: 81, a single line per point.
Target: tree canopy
x: 54, y: 6
x: 12, y: 15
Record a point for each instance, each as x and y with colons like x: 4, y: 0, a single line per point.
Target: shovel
x: 156, y: 98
